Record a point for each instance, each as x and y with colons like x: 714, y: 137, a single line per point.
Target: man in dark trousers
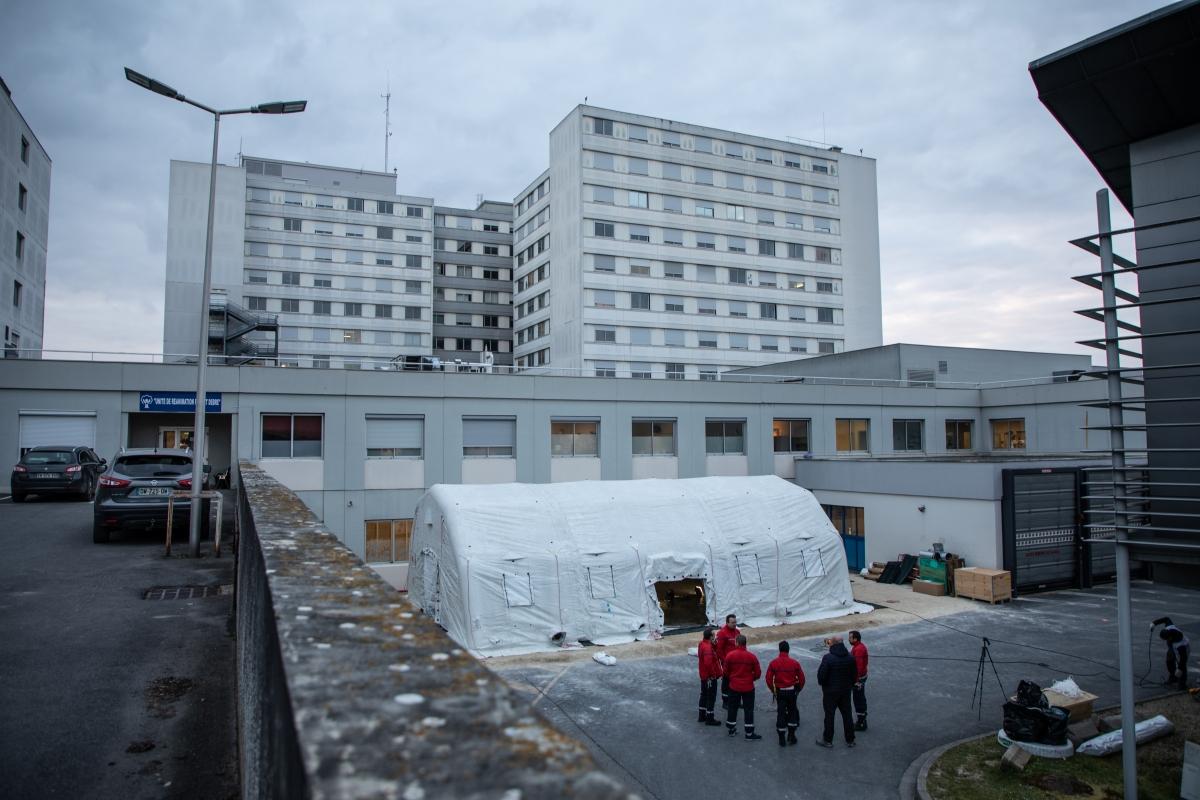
x: 785, y: 679
x: 836, y: 675
x: 742, y: 669
x: 1178, y: 650
x: 710, y: 673
x: 726, y: 641
x: 859, y: 651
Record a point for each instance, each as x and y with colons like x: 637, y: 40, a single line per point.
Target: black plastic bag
x: 1057, y: 720
x: 1023, y: 724
x: 1029, y: 694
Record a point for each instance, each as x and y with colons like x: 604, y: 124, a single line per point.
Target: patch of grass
x: 972, y: 770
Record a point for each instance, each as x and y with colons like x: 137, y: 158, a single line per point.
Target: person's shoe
x: 732, y: 730
x: 752, y: 737
x: 861, y: 725
x: 703, y: 716
x: 848, y: 744
x: 782, y: 739
x: 712, y: 721
x: 823, y: 743
x: 791, y: 736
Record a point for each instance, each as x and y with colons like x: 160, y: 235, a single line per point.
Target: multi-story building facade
x: 680, y: 250
x: 24, y: 231
x: 340, y: 262
x: 472, y: 283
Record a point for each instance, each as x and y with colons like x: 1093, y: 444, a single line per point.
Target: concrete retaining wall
x: 346, y: 691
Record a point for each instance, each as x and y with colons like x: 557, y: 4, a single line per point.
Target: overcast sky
x: 979, y: 188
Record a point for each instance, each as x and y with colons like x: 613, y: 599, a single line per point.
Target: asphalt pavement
x: 639, y: 717
x: 105, y: 694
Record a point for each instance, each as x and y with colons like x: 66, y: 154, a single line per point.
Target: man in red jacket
x: 742, y: 669
x: 726, y: 638
x: 785, y: 679
x: 710, y: 671
x: 859, y: 651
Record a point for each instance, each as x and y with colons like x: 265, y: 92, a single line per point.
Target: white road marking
x: 543, y: 692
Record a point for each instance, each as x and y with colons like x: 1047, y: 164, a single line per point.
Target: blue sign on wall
x: 178, y: 402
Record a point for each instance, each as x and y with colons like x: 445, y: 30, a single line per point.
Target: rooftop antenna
x: 239, y: 161
x: 478, y: 200
x: 387, y: 120
x: 824, y: 140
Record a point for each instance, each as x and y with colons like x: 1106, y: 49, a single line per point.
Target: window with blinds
x: 395, y: 437
x: 489, y: 437
x: 388, y: 540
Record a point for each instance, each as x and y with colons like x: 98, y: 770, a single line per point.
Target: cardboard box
x: 929, y: 587
x: 1080, y: 707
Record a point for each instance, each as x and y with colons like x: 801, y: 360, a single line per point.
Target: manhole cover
x: 185, y: 592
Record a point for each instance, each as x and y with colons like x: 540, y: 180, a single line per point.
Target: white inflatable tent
x: 518, y: 568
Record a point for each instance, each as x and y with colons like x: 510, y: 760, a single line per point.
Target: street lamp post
x: 198, y: 438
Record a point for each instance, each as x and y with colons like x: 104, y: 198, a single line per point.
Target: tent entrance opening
x: 682, y: 601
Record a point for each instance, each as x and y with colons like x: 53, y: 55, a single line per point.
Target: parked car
x: 134, y: 491
x: 56, y: 470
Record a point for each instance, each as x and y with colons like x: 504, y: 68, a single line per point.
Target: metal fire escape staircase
x: 232, y: 333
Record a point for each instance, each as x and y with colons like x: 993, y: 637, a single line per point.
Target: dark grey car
x: 47, y: 470
x: 134, y: 491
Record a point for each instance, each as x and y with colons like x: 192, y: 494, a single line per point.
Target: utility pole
x: 387, y: 122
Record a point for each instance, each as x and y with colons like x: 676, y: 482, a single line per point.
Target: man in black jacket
x: 1178, y: 650
x: 837, y: 676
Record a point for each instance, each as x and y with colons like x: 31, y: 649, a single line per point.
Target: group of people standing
x: 842, y: 677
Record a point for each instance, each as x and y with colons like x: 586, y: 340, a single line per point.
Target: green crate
x: 931, y: 569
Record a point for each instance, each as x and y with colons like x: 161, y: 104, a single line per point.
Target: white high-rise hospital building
x: 653, y: 248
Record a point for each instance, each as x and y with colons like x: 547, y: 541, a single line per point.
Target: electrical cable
x: 1105, y: 665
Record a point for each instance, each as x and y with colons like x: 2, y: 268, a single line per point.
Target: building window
x: 395, y: 437
x: 383, y: 311
x: 290, y: 306
x: 489, y: 437
x: 639, y: 300
x: 604, y: 229
x: 22, y: 196
x: 672, y: 303
x: 790, y: 435
x: 735, y: 213
x: 654, y: 437
x: 676, y: 372
x: 16, y: 295
x: 604, y: 263
x: 602, y: 127
x: 291, y: 435
x: 737, y: 309
x: 706, y: 305
x: 256, y: 303
x: 639, y: 166
x: 602, y: 161
x: 639, y: 200
x: 725, y: 437
x: 574, y: 439
x: 825, y: 347
x: 958, y: 434
x: 291, y: 224
x: 291, y: 279
x: 707, y: 339
x: 24, y: 150
x: 604, y: 299
x: 412, y: 312
x: 491, y: 227
x: 704, y: 210
x: 605, y: 369
x: 639, y: 233
x: 1008, y: 434
x: 706, y: 241
x: 383, y: 233
x: 352, y: 309
x: 737, y: 275
x: 908, y: 434
x: 848, y: 520
x: 825, y: 287
x: 853, y: 435
x: 356, y: 204
x: 672, y: 269
x: 606, y: 335
x: 351, y: 337
x: 672, y: 172
x: 412, y: 262
x: 824, y: 315
x: 639, y: 269
x: 768, y: 343
x: 388, y: 540
x: 322, y: 307
x: 491, y: 250
x: 768, y: 311
x: 415, y: 211
x: 20, y: 250
x: 704, y: 177
x: 672, y: 204
x: 673, y: 337
x: 739, y: 341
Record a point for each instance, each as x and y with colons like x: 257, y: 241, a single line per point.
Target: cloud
x: 979, y: 189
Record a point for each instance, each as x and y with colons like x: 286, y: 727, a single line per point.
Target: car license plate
x: 45, y: 474
x: 145, y: 492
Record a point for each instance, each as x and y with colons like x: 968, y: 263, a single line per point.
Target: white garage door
x: 57, y: 428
